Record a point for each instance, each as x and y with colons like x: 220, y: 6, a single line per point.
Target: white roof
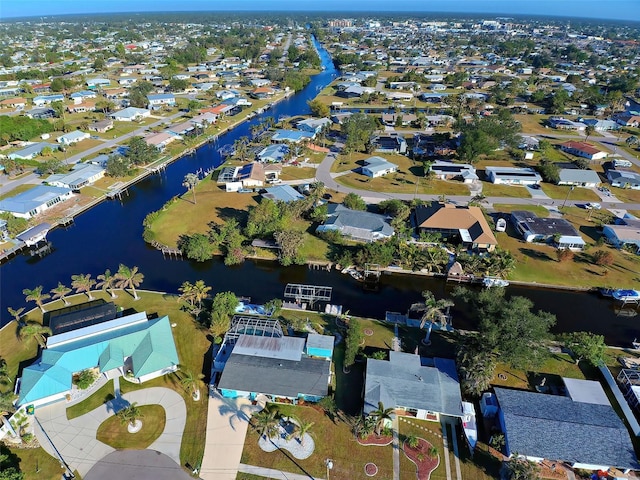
x: 585, y: 391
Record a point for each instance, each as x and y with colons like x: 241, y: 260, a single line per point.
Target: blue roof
x: 290, y: 135
x: 273, y: 153
x: 161, y: 96
x: 33, y: 150
x: 150, y: 344
x: 83, y: 93
x: 26, y: 201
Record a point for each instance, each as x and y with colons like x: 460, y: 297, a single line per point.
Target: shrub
x: 412, y: 441
x: 85, y: 379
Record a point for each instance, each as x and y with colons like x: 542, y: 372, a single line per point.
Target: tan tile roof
x: 461, y: 218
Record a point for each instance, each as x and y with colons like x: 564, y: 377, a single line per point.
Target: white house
x: 577, y: 177
x: 512, y: 176
x: 83, y: 174
x: 34, y: 201
x: 72, y: 137
x: 130, y: 114
x: 377, y: 167
x: 160, y: 100
x: 583, y: 149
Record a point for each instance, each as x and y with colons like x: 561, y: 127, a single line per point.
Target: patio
x: 285, y: 439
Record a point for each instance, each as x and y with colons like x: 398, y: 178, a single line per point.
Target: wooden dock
x: 166, y: 250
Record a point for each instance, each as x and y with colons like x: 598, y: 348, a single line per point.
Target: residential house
x: 34, y: 201
x: 355, y: 224
x: 184, y: 129
x: 425, y: 388
x: 79, y: 97
x: 313, y: 125
x: 454, y: 171
x: 391, y: 119
x: 602, y: 125
x: 81, y: 107
x: 101, y: 126
x: 41, y: 113
x: 389, y: 143
x: 512, y: 176
x: 261, y: 93
x: 72, y: 137
x: 291, y: 136
x: 583, y: 149
x: 160, y: 100
x: 565, y: 124
x: 251, y: 175
x: 161, y: 140
x: 32, y: 151
x: 17, y: 102
x: 273, y: 153
x: 130, y: 114
x: 98, y: 83
x: 623, y: 235
x: 375, y: 167
x: 557, y: 230
x: 204, y: 119
x: 580, y: 428
x: 135, y: 346
x: 41, y: 100
x: 282, y: 193
x: 256, y: 358
x: 578, y: 177
x: 465, y: 225
x: 624, y: 179
x: 81, y: 175
x: 628, y: 120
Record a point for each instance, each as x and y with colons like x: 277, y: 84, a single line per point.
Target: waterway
x: 111, y: 233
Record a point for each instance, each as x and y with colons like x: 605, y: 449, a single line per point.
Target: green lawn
x: 115, y: 434
x: 626, y: 195
x: 35, y: 463
x: 298, y: 173
x: 514, y: 191
x: 97, y: 398
x: 560, y: 192
x: 335, y: 441
x: 507, y: 208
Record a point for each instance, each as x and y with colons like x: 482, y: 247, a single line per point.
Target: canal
x: 111, y: 233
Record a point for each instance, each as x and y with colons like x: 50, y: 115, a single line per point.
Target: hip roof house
x: 34, y: 201
x: 581, y: 428
x: 536, y: 229
x: 131, y: 345
x: 358, y: 225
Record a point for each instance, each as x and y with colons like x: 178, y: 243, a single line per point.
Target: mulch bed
x: 370, y: 469
x: 420, y: 456
x: 380, y: 440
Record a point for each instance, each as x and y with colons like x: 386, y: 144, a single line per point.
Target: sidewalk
x: 273, y: 474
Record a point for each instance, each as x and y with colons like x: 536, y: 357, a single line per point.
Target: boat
x: 501, y: 225
x: 635, y: 344
x: 494, y: 282
x: 626, y: 295
x: 469, y: 424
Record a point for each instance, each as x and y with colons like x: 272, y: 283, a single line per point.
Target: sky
x: 602, y: 9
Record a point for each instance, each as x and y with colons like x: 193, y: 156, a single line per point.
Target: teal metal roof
x: 150, y: 344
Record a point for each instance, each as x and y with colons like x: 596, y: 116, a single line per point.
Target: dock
x: 166, y: 250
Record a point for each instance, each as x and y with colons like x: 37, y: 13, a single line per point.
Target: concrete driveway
x: 75, y: 440
x: 227, y: 422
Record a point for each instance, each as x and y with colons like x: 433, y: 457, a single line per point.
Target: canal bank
x: 111, y: 233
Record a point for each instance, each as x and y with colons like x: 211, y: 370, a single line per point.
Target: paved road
x: 138, y: 465
x: 32, y: 178
x: 227, y: 422
x: 75, y: 440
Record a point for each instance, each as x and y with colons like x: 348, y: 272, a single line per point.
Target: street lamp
x: 567, y: 197
x: 329, y: 463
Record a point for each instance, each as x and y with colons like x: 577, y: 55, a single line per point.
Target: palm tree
x: 130, y: 414
x: 15, y: 313
x: 381, y: 416
x: 200, y: 292
x: 434, y: 312
x: 266, y: 422
x: 187, y: 294
x: 191, y: 383
x: 35, y: 330
x: 301, y: 429
x: 589, y: 130
x: 83, y: 283
x: 130, y: 277
x: 190, y: 181
x: 35, y: 295
x: 4, y: 372
x: 61, y: 291
x: 107, y: 282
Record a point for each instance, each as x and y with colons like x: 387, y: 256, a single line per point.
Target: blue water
x: 111, y: 233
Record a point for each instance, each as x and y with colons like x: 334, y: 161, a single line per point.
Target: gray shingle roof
x: 557, y: 428
x: 289, y: 378
x: 404, y: 381
x: 357, y: 224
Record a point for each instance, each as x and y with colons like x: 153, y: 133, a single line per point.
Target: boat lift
x: 307, y: 293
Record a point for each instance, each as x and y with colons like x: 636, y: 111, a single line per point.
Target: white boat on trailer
x: 494, y: 282
x: 626, y: 295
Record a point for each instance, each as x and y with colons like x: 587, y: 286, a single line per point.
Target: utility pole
x: 567, y: 197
